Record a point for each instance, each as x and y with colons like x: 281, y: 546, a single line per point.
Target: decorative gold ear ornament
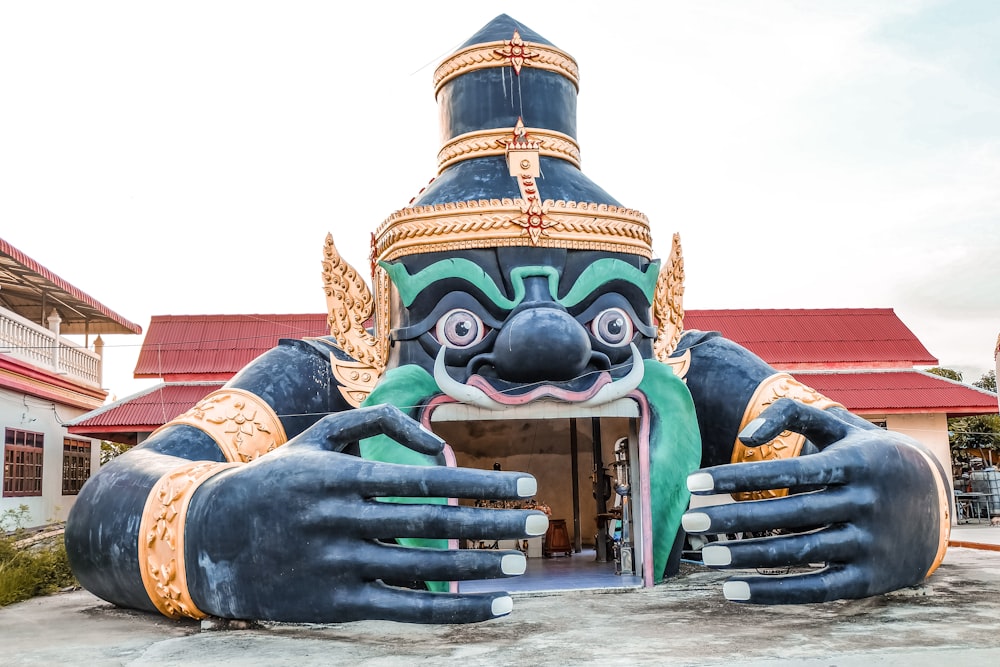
x: 668, y: 304
x: 350, y: 306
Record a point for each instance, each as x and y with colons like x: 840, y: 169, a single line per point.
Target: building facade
x: 47, y: 380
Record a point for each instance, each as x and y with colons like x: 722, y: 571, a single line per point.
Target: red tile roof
x: 142, y: 412
x: 866, y: 340
x: 901, y: 392
x: 818, y: 338
x: 189, y: 347
x: 24, y: 280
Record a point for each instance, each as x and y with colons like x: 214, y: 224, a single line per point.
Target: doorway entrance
x: 586, y: 464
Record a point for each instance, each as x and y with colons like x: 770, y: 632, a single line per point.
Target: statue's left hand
x: 873, y: 507
x: 301, y: 534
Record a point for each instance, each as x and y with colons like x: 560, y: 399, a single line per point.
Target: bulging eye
x: 613, y: 327
x: 459, y: 329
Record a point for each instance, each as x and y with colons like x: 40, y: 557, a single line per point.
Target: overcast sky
x: 189, y: 157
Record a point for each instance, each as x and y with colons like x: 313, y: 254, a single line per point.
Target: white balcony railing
x: 26, y: 341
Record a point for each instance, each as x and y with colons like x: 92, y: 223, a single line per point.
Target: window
x: 22, y: 463
x: 76, y: 465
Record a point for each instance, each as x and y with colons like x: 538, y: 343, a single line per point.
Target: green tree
x: 977, y: 431
x: 987, y: 382
x: 946, y: 373
x: 110, y: 450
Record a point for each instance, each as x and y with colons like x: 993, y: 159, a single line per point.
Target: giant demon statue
x: 311, y: 487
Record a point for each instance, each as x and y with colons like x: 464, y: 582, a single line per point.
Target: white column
x: 54, y: 322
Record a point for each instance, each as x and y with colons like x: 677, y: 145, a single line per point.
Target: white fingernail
x: 432, y: 433
x: 700, y: 481
x: 536, y: 524
x: 752, y: 427
x: 714, y: 555
x: 513, y: 564
x: 696, y: 522
x: 737, y: 591
x: 526, y: 487
x: 502, y: 605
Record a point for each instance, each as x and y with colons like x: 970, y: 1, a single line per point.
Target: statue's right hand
x: 300, y: 534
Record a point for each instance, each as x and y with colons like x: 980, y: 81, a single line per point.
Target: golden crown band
x: 484, y: 143
x: 497, y: 54
x: 492, y: 223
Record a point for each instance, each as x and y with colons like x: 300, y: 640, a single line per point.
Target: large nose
x: 541, y: 344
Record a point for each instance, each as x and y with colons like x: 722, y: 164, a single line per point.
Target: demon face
x: 508, y: 326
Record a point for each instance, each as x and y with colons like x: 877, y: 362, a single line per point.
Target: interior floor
x: 576, y: 572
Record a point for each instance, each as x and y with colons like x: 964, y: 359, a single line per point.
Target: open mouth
x: 563, y: 444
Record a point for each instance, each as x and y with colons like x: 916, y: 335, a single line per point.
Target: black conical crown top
x: 504, y: 73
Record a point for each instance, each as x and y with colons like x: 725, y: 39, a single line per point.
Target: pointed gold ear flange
x: 350, y: 305
x: 668, y: 303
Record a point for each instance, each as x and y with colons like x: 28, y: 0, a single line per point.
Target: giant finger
x: 830, y: 583
x: 375, y: 479
x: 409, y: 606
x: 381, y: 520
x: 820, y: 426
x: 375, y: 560
x: 832, y: 467
x: 835, y: 544
x: 796, y: 511
x: 346, y: 428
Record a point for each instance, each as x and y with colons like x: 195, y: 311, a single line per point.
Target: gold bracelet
x: 161, y: 538
x: 241, y: 423
x: 787, y: 444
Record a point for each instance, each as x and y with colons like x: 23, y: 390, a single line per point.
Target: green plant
x: 29, y: 570
x: 13, y: 520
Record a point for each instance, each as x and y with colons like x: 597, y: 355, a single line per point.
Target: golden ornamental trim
x: 349, y: 305
x: 357, y: 380
x: 788, y: 444
x: 486, y: 143
x: 668, y: 302
x: 495, y: 54
x: 241, y: 423
x: 490, y: 223
x: 161, y: 538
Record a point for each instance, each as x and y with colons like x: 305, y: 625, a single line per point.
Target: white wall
x: 41, y: 416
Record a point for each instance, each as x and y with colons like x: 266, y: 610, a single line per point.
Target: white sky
x: 189, y: 157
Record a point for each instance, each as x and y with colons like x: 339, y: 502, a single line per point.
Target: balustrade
x: 36, y: 345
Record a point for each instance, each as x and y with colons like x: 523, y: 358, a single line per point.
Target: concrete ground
x: 953, y: 618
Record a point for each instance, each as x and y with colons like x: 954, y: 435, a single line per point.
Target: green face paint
x: 674, y: 453
x: 593, y: 277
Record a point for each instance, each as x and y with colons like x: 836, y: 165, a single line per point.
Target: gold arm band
x: 787, y: 444
x: 161, y: 538
x: 241, y: 423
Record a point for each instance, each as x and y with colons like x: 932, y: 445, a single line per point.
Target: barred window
x: 76, y: 465
x: 23, y: 452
